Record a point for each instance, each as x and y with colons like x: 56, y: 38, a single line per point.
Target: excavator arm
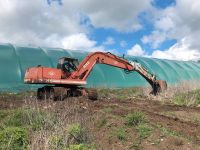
x: 86, y: 66
x: 157, y: 85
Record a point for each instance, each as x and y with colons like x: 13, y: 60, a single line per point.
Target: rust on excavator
x: 69, y: 78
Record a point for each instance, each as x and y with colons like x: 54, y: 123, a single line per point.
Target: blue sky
x: 132, y: 38
x: 147, y: 28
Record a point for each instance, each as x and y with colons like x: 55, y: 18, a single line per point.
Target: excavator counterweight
x: 69, y: 78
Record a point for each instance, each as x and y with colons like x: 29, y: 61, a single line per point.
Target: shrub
x: 144, y: 130
x: 76, y: 147
x: 4, y: 113
x: 30, y: 117
x: 136, y: 118
x: 101, y: 122
x: 123, y: 93
x: 188, y: 98
x: 56, y: 142
x: 168, y: 132
x: 121, y: 134
x: 108, y: 109
x: 80, y: 147
x: 14, y: 138
x: 76, y: 133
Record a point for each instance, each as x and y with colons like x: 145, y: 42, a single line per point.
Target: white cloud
x: 179, y: 51
x: 78, y: 42
x: 36, y: 22
x: 155, y: 39
x: 109, y: 41
x: 164, y: 24
x: 119, y: 15
x: 180, y: 22
x: 136, y: 50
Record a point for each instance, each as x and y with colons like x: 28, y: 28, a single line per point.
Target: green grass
x: 80, y: 147
x: 74, y: 137
x: 16, y: 126
x: 168, y: 132
x: 108, y: 109
x: 135, y: 118
x: 188, y: 98
x: 144, y: 130
x: 102, y: 122
x: 121, y: 94
x: 13, y: 138
x: 77, y: 133
x: 121, y: 134
x: 56, y: 142
x: 3, y: 114
x: 24, y: 117
x: 197, y: 121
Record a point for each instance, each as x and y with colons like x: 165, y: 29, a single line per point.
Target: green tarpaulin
x: 15, y: 59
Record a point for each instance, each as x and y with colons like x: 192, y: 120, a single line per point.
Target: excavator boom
x: 69, y: 75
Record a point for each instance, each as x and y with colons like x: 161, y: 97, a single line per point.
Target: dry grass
x: 69, y: 115
x: 172, y: 90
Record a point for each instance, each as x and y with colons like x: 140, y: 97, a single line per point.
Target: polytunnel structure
x: 14, y: 60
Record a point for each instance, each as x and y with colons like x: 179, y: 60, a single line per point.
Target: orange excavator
x: 69, y: 78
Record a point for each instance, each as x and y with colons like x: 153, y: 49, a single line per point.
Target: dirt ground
x: 180, y: 122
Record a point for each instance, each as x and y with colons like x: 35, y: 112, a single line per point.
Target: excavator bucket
x: 159, y: 86
x: 162, y: 85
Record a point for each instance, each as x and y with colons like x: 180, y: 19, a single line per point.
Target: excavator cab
x: 67, y: 64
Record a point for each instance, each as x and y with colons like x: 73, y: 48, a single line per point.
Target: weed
x: 13, y: 138
x: 30, y: 117
x: 56, y: 142
x: 135, y: 118
x: 81, y: 147
x: 76, y: 133
x: 144, y: 130
x: 187, y: 98
x: 121, y: 94
x: 178, y: 142
x: 197, y: 121
x: 4, y: 113
x: 168, y: 132
x: 102, y: 122
x: 108, y: 110
x: 121, y: 134
x: 136, y: 145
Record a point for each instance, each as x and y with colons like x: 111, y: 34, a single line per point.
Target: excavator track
x: 60, y: 93
x: 92, y: 94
